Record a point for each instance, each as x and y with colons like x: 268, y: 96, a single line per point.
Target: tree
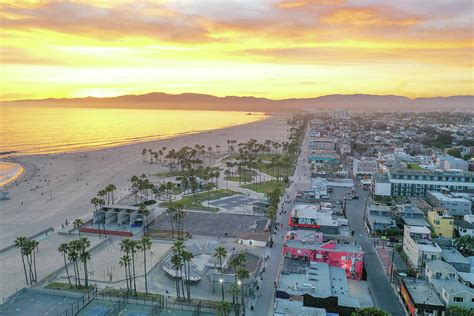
x: 84, y: 256
x: 20, y: 244
x: 144, y: 244
x: 187, y: 257
x: 73, y: 255
x: 95, y: 201
x: 458, y: 311
x: 223, y: 308
x: 125, y: 262
x: 77, y: 225
x: 144, y: 151
x: 170, y: 211
x: 242, y: 275
x: 62, y: 249
x: 176, y: 262
x: 465, y: 245
x: 178, y: 249
x: 370, y: 311
x: 220, y: 253
x: 145, y: 213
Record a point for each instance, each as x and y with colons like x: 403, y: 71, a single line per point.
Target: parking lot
x: 233, y: 202
x: 215, y: 224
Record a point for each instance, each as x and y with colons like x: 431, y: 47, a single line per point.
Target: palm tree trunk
x: 34, y: 265
x: 30, y: 270
x: 78, y: 272
x: 222, y: 277
x: 67, y: 270
x: 126, y: 277
x: 24, y: 266
x: 134, y: 275
x: 182, y: 282
x: 144, y: 266
x: 86, y: 277
x: 189, y: 281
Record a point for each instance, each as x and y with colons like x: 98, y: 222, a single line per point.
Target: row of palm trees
x: 74, y: 252
x: 28, y: 249
x: 181, y: 263
x: 177, y: 214
x: 129, y: 249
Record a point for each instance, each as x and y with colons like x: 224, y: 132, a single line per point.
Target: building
x: 323, y: 156
x: 349, y: 257
x: 411, y: 182
x: 442, y: 223
x: 419, y: 298
x: 311, y: 217
x: 341, y: 115
x: 322, y: 286
x: 445, y: 280
x: 320, y: 187
x: 465, y: 226
x: 364, y: 167
x: 454, y: 205
x: 256, y: 239
x: 456, y: 259
x: 380, y: 218
x: 419, y: 247
x: 411, y: 215
x: 322, y: 143
x: 447, y: 162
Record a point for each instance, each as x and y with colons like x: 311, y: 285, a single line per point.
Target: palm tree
x: 144, y: 151
x: 124, y: 262
x: 144, y: 244
x: 242, y: 275
x: 34, y: 245
x: 73, y: 255
x: 176, y: 262
x: 63, y: 249
x: 223, y: 308
x: 178, y: 249
x: 84, y: 256
x: 19, y: 243
x: 111, y: 190
x: 187, y: 257
x: 221, y: 252
x: 171, y: 211
x: 145, y: 212
x: 235, y: 290
x: 95, y: 202
x: 77, y: 225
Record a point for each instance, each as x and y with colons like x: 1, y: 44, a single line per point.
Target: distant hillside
x: 192, y: 101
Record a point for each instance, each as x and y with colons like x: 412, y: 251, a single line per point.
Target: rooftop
x: 296, y: 308
x: 453, y: 256
x: 440, y: 266
x: 418, y: 229
x: 313, y: 245
x: 422, y: 292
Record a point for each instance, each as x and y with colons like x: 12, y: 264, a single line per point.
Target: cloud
x: 291, y: 4
x: 368, y: 17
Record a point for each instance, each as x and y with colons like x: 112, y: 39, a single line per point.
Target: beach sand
x: 9, y: 172
x: 57, y: 187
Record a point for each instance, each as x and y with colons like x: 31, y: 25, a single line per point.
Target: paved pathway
x: 379, y: 284
x: 265, y: 300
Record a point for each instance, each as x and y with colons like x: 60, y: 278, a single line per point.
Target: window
x: 458, y: 299
x: 436, y: 222
x: 319, y: 256
x: 438, y: 275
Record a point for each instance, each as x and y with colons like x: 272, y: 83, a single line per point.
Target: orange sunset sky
x: 274, y: 49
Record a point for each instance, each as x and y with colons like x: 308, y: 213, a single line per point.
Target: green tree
x: 77, y: 225
x: 220, y: 253
x: 20, y: 244
x: 144, y: 245
x: 62, y: 249
x: 223, y: 308
x: 459, y: 311
x: 370, y: 311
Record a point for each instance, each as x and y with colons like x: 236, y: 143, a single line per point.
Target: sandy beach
x: 57, y: 187
x: 9, y: 172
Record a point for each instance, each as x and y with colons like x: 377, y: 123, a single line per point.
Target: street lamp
x: 221, y: 280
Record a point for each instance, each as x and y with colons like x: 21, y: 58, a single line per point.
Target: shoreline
x: 56, y: 187
x: 9, y: 172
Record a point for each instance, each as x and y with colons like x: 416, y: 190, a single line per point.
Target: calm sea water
x: 39, y: 130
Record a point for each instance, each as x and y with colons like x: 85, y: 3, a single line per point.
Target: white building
x: 454, y: 205
x: 364, y: 167
x: 446, y: 162
x: 445, y: 281
x: 419, y: 247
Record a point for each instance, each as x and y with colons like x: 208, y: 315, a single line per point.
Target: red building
x: 349, y: 257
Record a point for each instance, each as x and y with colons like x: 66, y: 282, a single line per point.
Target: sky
x: 275, y: 49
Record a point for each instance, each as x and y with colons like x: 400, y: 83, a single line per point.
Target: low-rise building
x: 454, y: 205
x: 445, y: 281
x: 465, y: 226
x: 419, y: 247
x: 456, y: 259
x: 411, y: 215
x: 323, y: 286
x: 380, y: 218
x: 364, y: 167
x: 442, y: 223
x: 311, y: 217
x: 419, y: 298
x: 349, y: 257
x: 447, y: 162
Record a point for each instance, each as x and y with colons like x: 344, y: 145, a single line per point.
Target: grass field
x: 195, y: 201
x: 66, y: 287
x: 265, y: 187
x: 179, y: 173
x: 244, y: 176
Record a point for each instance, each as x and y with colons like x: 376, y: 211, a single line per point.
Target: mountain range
x: 193, y: 101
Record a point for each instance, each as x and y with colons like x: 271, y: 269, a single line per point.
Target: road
x: 379, y: 284
x: 264, y: 302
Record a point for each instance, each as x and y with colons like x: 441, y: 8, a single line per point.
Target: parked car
x: 355, y: 197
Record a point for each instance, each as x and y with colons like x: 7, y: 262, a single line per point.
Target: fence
x: 76, y: 307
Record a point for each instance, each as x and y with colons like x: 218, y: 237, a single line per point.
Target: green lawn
x: 66, y: 287
x: 179, y: 173
x: 265, y: 187
x: 245, y: 176
x: 195, y: 201
x: 413, y: 166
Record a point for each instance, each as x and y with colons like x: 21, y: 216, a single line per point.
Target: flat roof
x: 296, y: 308
x: 421, y: 292
x: 313, y: 245
x: 419, y: 229
x: 415, y: 221
x: 452, y: 255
